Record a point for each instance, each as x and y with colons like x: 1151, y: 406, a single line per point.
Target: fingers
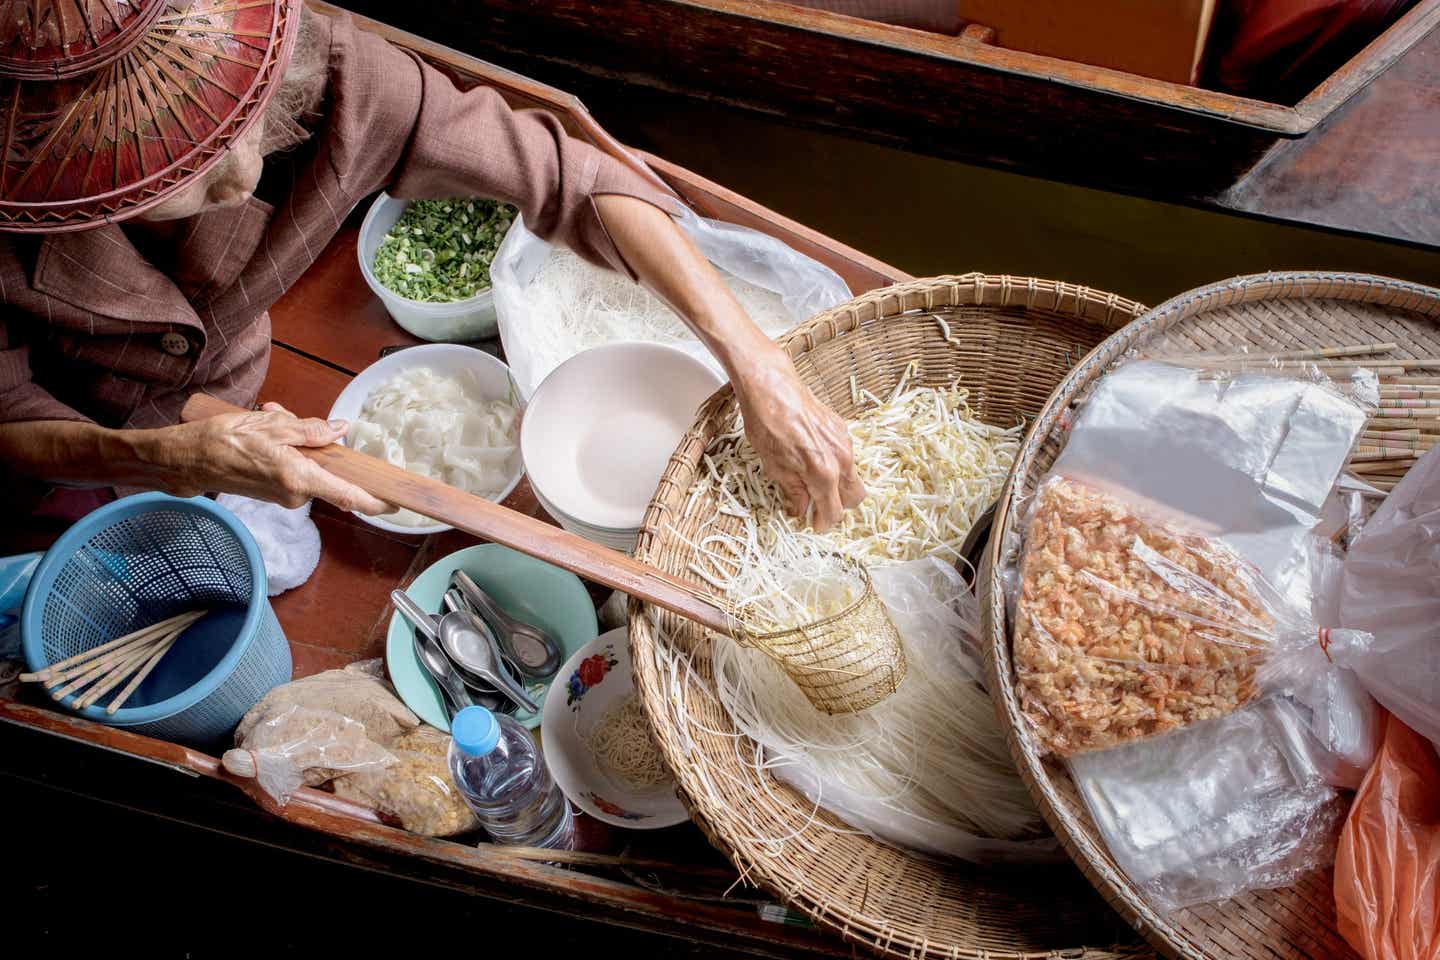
x: 797, y: 498
x: 825, y: 498
x: 306, y: 432
x: 852, y: 491
x: 306, y: 478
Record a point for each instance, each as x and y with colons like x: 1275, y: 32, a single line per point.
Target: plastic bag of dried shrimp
x: 1165, y: 637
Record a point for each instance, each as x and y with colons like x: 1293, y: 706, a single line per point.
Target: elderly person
x: 152, y: 220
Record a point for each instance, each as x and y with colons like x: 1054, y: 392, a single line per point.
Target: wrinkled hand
x: 803, y: 444
x: 254, y: 454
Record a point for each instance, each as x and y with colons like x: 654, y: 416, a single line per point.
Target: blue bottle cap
x: 476, y: 731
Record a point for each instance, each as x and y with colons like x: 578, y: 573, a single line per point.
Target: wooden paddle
x: 490, y: 521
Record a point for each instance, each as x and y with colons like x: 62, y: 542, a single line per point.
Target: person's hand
x: 803, y: 444
x: 254, y: 454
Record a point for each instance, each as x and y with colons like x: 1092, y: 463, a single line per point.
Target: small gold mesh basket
x: 845, y: 662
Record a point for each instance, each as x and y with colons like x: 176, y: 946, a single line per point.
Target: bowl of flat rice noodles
x: 444, y: 411
x: 598, y: 744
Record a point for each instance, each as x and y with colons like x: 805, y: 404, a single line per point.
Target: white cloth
x: 288, y: 539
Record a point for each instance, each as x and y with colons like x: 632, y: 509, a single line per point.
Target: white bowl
x: 444, y: 358
x: 458, y: 321
x: 571, y: 711
x: 601, y: 427
x: 621, y: 540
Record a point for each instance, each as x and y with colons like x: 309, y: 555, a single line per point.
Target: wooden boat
x: 340, y: 616
x: 950, y: 96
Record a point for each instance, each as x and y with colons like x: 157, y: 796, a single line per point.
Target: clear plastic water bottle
x: 497, y: 766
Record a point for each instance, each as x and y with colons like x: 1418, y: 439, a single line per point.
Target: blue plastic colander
x: 137, y: 561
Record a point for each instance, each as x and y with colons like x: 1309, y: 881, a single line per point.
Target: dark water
x: 930, y: 216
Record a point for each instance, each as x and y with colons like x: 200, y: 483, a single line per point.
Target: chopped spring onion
x: 440, y: 250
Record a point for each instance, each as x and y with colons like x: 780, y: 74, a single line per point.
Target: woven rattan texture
x: 1295, y: 311
x: 1011, y: 341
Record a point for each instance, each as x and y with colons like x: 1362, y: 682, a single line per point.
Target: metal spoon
x: 482, y: 692
x: 430, y: 654
x: 534, y: 651
x: 468, y: 647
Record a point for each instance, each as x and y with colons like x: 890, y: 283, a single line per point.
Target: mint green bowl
x: 528, y: 589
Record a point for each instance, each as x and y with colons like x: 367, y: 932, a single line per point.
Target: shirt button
x: 175, y: 344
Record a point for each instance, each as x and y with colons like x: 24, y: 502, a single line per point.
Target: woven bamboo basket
x: 1016, y: 339
x: 1299, y: 311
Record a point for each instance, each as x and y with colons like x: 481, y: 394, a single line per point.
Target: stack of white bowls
x: 600, y: 429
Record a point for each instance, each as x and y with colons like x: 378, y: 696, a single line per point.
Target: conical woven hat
x: 109, y: 106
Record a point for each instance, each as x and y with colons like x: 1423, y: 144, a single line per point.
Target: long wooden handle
x: 482, y: 518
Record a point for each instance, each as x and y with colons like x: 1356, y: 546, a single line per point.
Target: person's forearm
x: 80, y: 454
x: 668, y: 263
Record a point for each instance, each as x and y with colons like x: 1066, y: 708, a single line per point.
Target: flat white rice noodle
x: 442, y: 427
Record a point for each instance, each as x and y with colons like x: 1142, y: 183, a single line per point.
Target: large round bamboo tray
x: 1298, y: 310
x: 1016, y: 339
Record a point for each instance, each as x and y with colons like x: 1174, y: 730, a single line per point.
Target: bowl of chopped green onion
x: 429, y: 262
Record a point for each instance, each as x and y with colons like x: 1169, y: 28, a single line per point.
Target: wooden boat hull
x: 947, y: 96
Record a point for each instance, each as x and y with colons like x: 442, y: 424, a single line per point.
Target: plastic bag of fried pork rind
x: 347, y: 730
x: 1164, y: 636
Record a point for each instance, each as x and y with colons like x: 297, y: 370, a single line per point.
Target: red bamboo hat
x: 109, y: 106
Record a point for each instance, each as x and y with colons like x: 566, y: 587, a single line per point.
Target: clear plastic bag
x: 804, y: 285
x: 15, y: 574
x: 346, y: 729
x: 1168, y: 556
x: 416, y: 790
x: 1391, y: 589
x: 303, y: 746
x: 1215, y: 809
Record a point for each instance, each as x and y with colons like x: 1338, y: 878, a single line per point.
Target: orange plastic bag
x: 1387, y: 868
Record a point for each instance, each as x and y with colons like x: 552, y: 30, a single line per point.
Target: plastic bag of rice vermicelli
x: 552, y: 305
x: 927, y: 767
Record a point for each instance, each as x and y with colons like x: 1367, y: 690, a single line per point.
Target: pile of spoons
x: 476, y: 653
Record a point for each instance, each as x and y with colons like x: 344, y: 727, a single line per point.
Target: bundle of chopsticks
x: 102, y: 668
x: 1399, y: 432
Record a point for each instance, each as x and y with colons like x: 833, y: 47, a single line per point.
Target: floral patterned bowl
x: 594, y: 678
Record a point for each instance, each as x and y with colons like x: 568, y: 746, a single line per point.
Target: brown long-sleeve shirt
x: 93, y: 329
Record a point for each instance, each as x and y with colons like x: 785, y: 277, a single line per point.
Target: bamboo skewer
x: 111, y: 679
x: 1382, y: 454
x: 1261, y: 354
x: 140, y: 676
x: 1430, y: 424
x: 153, y: 630
x: 111, y: 661
x: 104, y: 667
x: 89, y: 667
x: 1408, y: 390
x: 1384, y: 368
